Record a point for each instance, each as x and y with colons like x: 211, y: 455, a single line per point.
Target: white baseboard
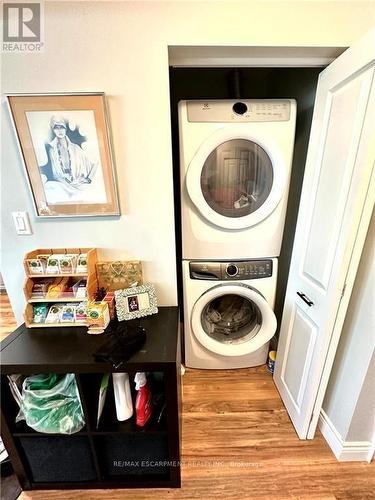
x: 344, y: 451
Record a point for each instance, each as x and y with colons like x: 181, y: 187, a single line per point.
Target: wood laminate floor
x: 238, y: 443
x: 7, y: 320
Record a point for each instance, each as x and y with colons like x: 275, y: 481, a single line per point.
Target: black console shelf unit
x: 116, y: 454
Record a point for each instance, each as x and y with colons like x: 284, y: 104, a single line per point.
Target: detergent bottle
x: 143, y: 402
x: 123, y: 397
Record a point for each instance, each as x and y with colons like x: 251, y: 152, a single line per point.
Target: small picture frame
x: 136, y: 302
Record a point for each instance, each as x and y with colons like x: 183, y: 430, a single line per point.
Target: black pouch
x: 121, y: 343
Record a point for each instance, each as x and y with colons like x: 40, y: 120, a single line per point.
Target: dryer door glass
x: 231, y: 319
x: 237, y: 178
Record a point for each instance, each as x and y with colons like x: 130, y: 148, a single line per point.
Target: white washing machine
x: 235, y: 162
x: 228, y: 309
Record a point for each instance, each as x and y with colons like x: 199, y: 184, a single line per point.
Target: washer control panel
x: 229, y: 271
x: 245, y: 110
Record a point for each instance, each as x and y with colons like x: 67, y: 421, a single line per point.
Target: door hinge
x: 343, y: 290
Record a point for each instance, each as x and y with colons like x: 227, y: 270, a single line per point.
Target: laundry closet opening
x: 247, y: 83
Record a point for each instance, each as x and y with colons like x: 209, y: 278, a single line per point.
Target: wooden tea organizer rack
x: 91, y: 284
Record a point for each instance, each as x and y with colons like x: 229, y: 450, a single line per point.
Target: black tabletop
x: 63, y: 350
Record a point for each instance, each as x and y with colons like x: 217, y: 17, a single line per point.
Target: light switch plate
x: 21, y: 222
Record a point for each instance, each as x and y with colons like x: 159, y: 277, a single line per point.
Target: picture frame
x: 137, y: 302
x: 65, y: 144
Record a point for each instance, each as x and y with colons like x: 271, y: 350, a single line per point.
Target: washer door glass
x: 231, y: 319
x: 237, y: 178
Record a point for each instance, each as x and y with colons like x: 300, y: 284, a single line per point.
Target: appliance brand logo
x: 23, y: 27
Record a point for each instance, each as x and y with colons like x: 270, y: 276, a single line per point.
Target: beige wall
x: 362, y: 425
x: 349, y: 402
x: 121, y: 48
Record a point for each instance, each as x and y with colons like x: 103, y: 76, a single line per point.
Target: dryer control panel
x: 244, y: 110
x: 229, y: 271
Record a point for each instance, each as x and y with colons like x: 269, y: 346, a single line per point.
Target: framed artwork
x: 136, y: 302
x: 65, y: 144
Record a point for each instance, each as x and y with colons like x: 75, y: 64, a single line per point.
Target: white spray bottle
x: 123, y: 397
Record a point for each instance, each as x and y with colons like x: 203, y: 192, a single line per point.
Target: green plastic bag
x: 51, y: 404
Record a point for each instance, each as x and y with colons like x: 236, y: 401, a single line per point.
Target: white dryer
x: 228, y: 309
x: 235, y: 164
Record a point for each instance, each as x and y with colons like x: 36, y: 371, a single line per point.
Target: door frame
x: 221, y: 56
x: 296, y: 56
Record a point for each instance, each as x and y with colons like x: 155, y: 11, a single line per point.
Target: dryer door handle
x: 305, y: 299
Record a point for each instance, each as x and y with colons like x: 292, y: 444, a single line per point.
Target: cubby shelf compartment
x: 109, y: 424
x: 57, y: 458
x: 88, y: 457
x: 133, y: 454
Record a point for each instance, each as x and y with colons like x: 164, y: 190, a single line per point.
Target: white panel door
x: 335, y: 210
